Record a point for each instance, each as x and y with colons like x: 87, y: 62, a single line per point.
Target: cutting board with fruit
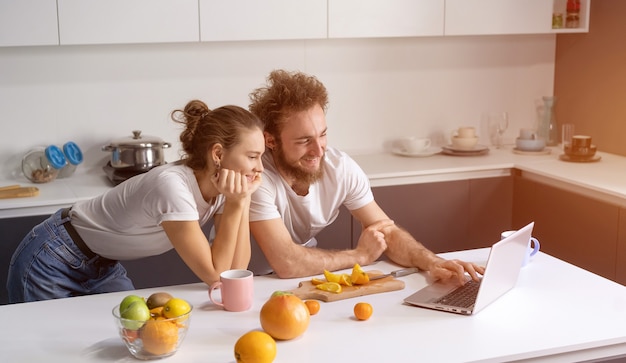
x: 308, y: 290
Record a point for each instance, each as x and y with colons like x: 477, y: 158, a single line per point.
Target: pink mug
x: 237, y: 290
x: 533, y: 246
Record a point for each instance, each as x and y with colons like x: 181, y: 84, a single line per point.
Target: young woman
x: 77, y: 250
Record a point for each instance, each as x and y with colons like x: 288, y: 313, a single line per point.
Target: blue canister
x: 42, y: 165
x: 74, y: 156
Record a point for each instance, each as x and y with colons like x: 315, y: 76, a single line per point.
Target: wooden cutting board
x: 306, y: 289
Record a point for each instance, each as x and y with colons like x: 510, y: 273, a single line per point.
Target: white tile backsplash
x: 379, y: 88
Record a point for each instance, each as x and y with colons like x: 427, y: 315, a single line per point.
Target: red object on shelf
x: 573, y: 6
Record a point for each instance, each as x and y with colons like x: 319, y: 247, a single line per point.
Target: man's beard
x: 301, y: 175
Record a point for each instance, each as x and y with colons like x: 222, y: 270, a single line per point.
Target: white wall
x: 379, y: 88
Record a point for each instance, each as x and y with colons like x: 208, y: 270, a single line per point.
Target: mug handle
x: 214, y: 286
x: 536, y: 246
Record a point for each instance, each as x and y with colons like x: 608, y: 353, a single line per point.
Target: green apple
x: 135, y: 315
x: 129, y: 300
x: 281, y: 293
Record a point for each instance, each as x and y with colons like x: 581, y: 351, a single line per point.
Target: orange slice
x: 330, y: 287
x: 345, y: 280
x: 359, y: 277
x: 317, y: 281
x: 331, y: 277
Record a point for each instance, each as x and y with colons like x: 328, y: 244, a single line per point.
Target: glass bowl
x: 154, y: 339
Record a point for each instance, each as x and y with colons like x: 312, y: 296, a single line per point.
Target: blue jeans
x: 48, y: 265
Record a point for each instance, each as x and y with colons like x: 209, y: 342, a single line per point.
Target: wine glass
x: 498, y: 122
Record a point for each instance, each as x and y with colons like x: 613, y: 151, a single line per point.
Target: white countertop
x: 553, y: 315
x: 604, y: 179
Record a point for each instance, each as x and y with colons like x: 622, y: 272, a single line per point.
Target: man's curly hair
x: 285, y: 94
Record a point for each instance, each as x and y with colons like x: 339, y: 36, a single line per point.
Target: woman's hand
x: 233, y: 185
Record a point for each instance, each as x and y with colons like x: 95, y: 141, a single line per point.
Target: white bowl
x: 530, y: 144
x: 465, y: 143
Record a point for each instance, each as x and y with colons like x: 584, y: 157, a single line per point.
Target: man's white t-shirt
x: 125, y: 222
x: 343, y: 183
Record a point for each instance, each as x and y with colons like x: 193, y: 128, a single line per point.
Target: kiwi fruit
x: 158, y: 299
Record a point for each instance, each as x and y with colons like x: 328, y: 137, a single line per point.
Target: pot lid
x: 139, y: 141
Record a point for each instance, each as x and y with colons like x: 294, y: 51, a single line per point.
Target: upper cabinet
x: 28, y: 22
x: 127, y: 21
x: 385, y: 18
x: 484, y: 17
x: 66, y: 22
x: 223, y: 20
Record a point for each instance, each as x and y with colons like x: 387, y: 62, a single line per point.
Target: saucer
x: 420, y: 154
x: 579, y: 159
x: 476, y: 150
x: 545, y: 151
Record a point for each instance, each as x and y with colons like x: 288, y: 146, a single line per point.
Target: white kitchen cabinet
x: 385, y: 18
x: 127, y: 21
x: 28, y: 22
x: 486, y: 17
x: 223, y: 20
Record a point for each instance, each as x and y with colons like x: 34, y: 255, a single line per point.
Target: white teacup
x: 533, y: 246
x: 465, y: 143
x: 465, y: 132
x: 412, y: 145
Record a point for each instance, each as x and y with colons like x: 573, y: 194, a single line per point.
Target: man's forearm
x: 310, y: 261
x: 404, y: 250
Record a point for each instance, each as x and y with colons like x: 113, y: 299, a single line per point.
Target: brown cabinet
x: 450, y: 216
x: 573, y: 227
x: 620, y: 266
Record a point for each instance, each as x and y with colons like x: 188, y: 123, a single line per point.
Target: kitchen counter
x: 605, y: 179
x: 530, y: 323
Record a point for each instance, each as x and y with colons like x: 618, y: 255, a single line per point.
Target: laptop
x: 501, y: 271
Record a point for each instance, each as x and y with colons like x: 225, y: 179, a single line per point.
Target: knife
x: 396, y: 273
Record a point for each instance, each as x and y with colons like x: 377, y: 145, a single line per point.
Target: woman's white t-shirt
x: 125, y: 222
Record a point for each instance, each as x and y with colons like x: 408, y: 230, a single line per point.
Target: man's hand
x: 372, y: 242
x: 455, y: 269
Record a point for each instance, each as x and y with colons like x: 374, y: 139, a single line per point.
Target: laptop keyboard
x: 464, y: 296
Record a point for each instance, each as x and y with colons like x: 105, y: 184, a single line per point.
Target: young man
x: 304, y: 184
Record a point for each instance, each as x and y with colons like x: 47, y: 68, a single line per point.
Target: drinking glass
x: 498, y: 122
x: 566, y: 134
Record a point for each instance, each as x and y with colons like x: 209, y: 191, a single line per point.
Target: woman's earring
x: 218, y: 166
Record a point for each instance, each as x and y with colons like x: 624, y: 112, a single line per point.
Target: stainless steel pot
x: 138, y: 152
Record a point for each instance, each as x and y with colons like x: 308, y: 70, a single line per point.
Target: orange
x: 255, y: 347
x: 363, y: 310
x: 330, y: 287
x: 359, y: 277
x: 155, y: 312
x: 313, y: 306
x: 284, y: 316
x: 159, y: 336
